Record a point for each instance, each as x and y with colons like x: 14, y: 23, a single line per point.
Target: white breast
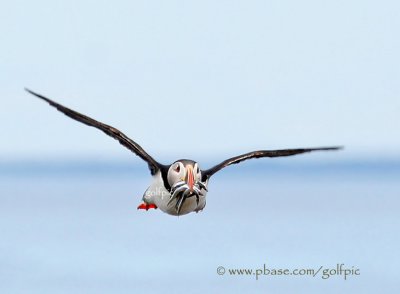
x: 158, y: 195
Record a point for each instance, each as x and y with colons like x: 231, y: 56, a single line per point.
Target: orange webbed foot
x: 146, y: 206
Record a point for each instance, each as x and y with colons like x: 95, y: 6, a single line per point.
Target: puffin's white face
x: 188, y: 172
x: 184, y: 178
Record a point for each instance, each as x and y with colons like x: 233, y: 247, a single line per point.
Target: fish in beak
x: 185, y: 188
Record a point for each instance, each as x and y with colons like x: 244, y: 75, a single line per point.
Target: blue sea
x: 73, y: 227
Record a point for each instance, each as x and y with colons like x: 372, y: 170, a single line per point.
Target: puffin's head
x: 184, y: 178
x: 184, y: 171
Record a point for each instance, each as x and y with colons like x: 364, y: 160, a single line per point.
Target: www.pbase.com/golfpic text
x: 323, y: 272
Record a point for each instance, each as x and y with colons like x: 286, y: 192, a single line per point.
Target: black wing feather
x: 154, y: 166
x: 261, y: 153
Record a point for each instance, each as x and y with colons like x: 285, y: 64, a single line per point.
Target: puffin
x: 181, y: 187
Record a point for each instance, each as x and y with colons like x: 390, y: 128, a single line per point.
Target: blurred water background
x: 73, y: 227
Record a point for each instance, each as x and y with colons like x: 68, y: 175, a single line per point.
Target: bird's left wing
x: 261, y: 153
x: 154, y: 166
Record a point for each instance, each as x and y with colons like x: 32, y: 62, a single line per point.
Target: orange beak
x: 189, y: 177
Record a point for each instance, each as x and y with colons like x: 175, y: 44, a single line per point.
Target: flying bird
x: 181, y: 187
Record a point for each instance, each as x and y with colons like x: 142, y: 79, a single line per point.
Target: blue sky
x: 200, y: 78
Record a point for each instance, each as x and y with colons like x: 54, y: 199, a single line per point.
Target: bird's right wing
x: 154, y: 166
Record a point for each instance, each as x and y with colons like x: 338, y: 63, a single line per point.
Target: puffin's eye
x: 178, y: 168
x: 198, y: 170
